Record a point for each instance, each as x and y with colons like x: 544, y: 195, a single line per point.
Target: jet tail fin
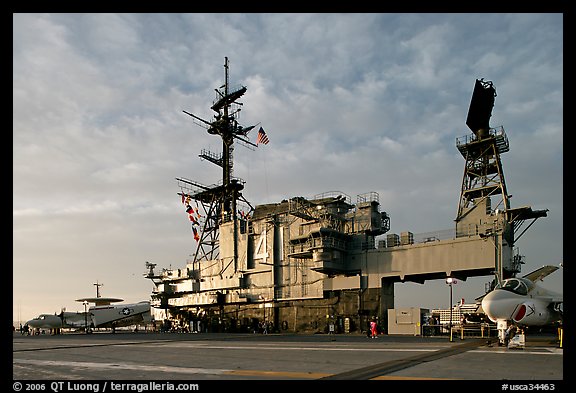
x: 540, y: 273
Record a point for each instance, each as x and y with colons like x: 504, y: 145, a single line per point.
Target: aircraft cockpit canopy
x: 520, y: 286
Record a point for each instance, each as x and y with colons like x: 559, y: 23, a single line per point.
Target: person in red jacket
x: 373, y: 329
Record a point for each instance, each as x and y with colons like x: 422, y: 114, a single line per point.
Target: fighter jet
x: 523, y: 303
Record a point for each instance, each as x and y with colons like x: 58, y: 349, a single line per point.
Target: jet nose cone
x: 487, y: 305
x: 495, y: 305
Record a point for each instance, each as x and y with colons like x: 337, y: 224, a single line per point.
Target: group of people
x: 168, y: 326
x: 263, y: 327
x: 25, y: 330
x: 433, y: 326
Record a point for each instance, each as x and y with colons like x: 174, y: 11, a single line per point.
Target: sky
x: 350, y: 102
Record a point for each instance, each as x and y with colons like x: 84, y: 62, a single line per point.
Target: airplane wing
x: 479, y: 298
x: 554, y: 299
x: 539, y: 274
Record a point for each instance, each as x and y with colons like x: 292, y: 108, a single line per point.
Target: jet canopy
x: 520, y: 286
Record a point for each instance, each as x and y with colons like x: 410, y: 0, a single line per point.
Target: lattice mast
x: 483, y: 174
x: 484, y: 198
x: 219, y: 202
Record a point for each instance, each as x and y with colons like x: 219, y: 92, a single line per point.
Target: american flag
x: 262, y: 137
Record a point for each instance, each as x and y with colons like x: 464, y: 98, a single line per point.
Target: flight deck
x: 223, y: 356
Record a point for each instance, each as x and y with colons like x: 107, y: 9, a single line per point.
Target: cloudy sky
x: 350, y: 102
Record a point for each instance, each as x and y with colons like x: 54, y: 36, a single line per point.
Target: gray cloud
x: 350, y: 102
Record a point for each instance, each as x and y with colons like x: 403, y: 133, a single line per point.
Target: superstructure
x: 306, y: 263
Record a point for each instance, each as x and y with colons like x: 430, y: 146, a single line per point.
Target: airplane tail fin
x: 540, y: 273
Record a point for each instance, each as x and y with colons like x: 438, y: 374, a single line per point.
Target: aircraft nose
x: 487, y: 304
x: 495, y: 305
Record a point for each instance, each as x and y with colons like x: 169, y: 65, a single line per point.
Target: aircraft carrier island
x: 328, y: 261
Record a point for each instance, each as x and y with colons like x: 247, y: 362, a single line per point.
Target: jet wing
x: 556, y: 299
x: 539, y: 274
x: 479, y: 298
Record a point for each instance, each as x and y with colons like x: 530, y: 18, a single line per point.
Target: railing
x: 319, y: 242
x: 209, y: 154
x: 482, y: 331
x: 371, y: 196
x: 497, y: 132
x: 460, y: 331
x: 334, y: 194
